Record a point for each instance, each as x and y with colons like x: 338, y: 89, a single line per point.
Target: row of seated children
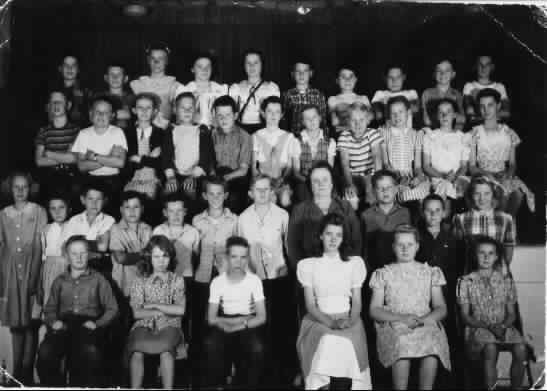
x: 26, y: 242
x: 147, y: 159
x: 250, y: 92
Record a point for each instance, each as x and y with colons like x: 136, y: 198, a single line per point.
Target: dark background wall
x: 370, y: 37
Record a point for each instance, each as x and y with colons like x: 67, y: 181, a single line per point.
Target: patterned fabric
x: 495, y: 224
x: 309, y: 157
x: 473, y: 88
x: 361, y: 161
x: 165, y: 88
x: 407, y: 290
x: 232, y: 149
x: 213, y: 233
x: 55, y: 263
x: 186, y: 242
x: 294, y: 101
x: 493, y: 149
x: 383, y: 96
x: 273, y: 157
x: 57, y: 139
x: 488, y: 298
x: 158, y: 290
x: 401, y: 147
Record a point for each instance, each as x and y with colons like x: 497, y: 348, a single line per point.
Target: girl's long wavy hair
x: 145, y: 267
x: 338, y: 220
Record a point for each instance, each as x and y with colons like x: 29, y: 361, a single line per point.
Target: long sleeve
x: 294, y: 250
x: 108, y: 302
x: 51, y: 307
x: 207, y: 155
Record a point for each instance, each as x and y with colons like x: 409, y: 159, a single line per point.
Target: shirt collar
x: 394, y: 209
x: 86, y: 273
x: 147, y: 131
x: 306, y: 137
x: 98, y: 218
x: 479, y: 213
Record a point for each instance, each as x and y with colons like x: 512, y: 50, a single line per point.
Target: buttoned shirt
x: 186, y: 241
x: 495, y: 224
x: 79, y: 225
x: 87, y: 295
x: 232, y: 149
x: 266, y: 236
x: 295, y: 100
x: 213, y: 233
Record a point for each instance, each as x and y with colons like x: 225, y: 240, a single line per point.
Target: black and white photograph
x: 273, y: 194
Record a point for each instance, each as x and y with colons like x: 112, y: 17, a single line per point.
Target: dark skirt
x: 145, y: 340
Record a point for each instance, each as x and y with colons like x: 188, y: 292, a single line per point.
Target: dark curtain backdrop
x: 370, y: 38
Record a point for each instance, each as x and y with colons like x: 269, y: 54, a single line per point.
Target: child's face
x: 115, y: 77
x: 93, y: 202
x: 225, y: 117
x: 238, y: 257
x: 57, y: 106
x: 405, y: 247
x: 433, y: 213
x: 20, y: 189
x: 385, y: 190
x: 175, y: 212
x: 215, y: 196
x: 311, y: 119
x: 101, y: 114
x: 272, y: 115
x: 78, y: 255
x: 58, y: 210
x: 157, y: 60
x: 483, y: 197
x: 398, y: 115
x: 444, y: 73
x: 346, y: 80
x: 185, y: 110
x: 395, y: 79
x: 144, y: 110
x: 131, y: 211
x: 489, y: 108
x: 321, y: 182
x: 485, y: 66
x: 332, y: 237
x: 160, y: 260
x: 202, y: 69
x: 446, y: 115
x: 302, y: 74
x: 69, y: 68
x: 253, y: 65
x: 359, y: 121
x: 486, y: 256
x: 261, y: 192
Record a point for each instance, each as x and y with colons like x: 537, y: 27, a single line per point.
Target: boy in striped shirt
x: 360, y: 156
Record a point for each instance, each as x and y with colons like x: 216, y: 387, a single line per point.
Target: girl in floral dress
x: 158, y: 303
x: 487, y: 300
x: 408, y: 304
x: 493, y: 153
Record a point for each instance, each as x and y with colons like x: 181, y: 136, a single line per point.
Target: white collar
x: 306, y: 137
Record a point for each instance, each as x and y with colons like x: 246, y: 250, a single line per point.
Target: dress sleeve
x: 466, y: 147
x: 513, y: 137
x: 378, y: 279
x: 178, y: 294
x: 78, y: 145
x: 294, y: 147
x: 214, y: 292
x: 428, y: 143
x: 116, y: 243
x: 304, y: 271
x: 258, y: 290
x: 462, y: 291
x: 511, y: 290
x: 136, y: 296
x: 437, y: 277
x: 359, y: 272
x: 332, y: 148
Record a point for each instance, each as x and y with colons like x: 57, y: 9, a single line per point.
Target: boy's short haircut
x: 74, y: 56
x: 184, y: 95
x: 116, y: 64
x: 102, y: 98
x: 236, y: 241
x: 449, y: 101
x: 395, y: 66
x: 359, y: 106
x: 271, y: 100
x: 175, y: 197
x: 303, y: 60
x: 489, y: 92
x: 432, y: 197
x: 260, y: 177
x: 348, y: 67
x: 255, y: 52
x: 57, y: 91
x: 205, y: 55
x: 398, y: 99
x: 215, y: 180
x: 310, y: 106
x: 155, y: 99
x: 479, y: 240
x: 93, y: 185
x: 130, y: 195
x: 157, y: 46
x: 406, y: 229
x: 225, y: 101
x: 57, y: 195
x: 383, y: 174
x: 73, y: 239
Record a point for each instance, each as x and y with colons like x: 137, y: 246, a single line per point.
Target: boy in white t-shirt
x: 236, y: 313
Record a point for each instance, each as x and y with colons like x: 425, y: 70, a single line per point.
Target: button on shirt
x: 79, y: 225
x: 213, y: 234
x: 267, y: 237
x: 232, y: 149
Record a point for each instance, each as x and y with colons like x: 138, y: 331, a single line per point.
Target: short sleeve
x: 40, y: 137
x: 234, y: 92
x: 115, y: 240
x: 332, y: 148
x: 364, y: 100
x: 378, y: 97
x: 513, y: 137
x: 375, y: 137
x: 275, y: 89
x: 214, y: 291
x: 428, y: 143
x: 304, y: 271
x: 467, y: 88
x: 257, y: 289
x: 509, y: 239
x: 511, y: 290
x: 412, y: 95
x: 178, y: 288
x: 358, y: 273
x: 437, y: 277
x: 378, y: 280
x: 195, y: 241
x: 121, y: 141
x: 136, y: 295
x: 503, y: 91
x: 462, y: 291
x: 79, y: 144
x: 331, y: 103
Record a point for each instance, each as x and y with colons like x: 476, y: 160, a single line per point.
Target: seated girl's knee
x: 519, y: 352
x: 167, y: 356
x: 490, y: 351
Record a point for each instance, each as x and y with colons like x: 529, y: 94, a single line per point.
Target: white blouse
x: 204, y: 100
x: 240, y: 92
x: 447, y: 149
x: 332, y: 281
